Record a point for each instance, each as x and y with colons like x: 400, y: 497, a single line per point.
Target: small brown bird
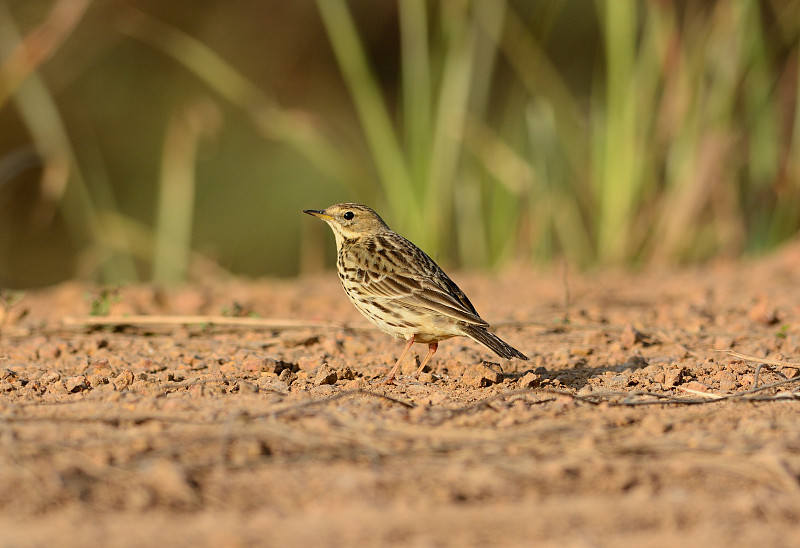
x: 399, y: 288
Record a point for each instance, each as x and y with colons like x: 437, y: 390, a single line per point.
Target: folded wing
x: 415, y: 280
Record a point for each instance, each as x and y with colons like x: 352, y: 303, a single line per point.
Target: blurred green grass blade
x: 724, y: 134
x: 497, y: 157
x: 501, y: 216
x: 121, y: 232
x: 487, y: 22
x: 559, y: 213
x: 540, y: 77
x: 617, y: 162
x: 196, y: 56
x: 472, y: 242
x: 415, y: 59
x: 373, y: 114
x: 274, y: 122
x: 466, y: 74
x: 63, y: 180
x: 177, y: 190
x: 38, y: 46
x: 786, y: 218
x: 449, y: 119
x: 758, y: 90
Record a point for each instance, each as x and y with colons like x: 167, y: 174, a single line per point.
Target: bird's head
x: 350, y: 221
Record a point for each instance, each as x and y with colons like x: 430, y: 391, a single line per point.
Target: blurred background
x: 168, y: 141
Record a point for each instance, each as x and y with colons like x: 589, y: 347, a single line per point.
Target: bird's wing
x: 415, y: 280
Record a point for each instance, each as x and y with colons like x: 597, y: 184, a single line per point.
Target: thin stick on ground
x: 745, y: 357
x: 701, y: 393
x: 762, y: 362
x: 279, y: 324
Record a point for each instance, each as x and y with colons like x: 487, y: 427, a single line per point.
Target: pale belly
x: 425, y: 327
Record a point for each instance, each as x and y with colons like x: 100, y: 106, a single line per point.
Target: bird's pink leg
x: 393, y: 372
x: 431, y: 351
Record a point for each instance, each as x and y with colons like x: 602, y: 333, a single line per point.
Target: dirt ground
x: 628, y: 426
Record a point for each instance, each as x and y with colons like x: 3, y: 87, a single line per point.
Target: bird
x: 399, y: 288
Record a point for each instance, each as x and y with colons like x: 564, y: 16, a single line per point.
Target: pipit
x: 401, y: 289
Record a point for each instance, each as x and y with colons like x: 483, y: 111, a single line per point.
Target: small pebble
x: 247, y: 387
x: 629, y: 336
x: 480, y: 375
x: 674, y: 376
x: 49, y: 377
x: 76, y: 384
x: 325, y: 375
x: 273, y: 365
x: 100, y: 367
x: 97, y: 380
x: 124, y: 379
x: 619, y: 381
x: 530, y: 380
x: 427, y: 377
x: 354, y: 384
x: 287, y: 376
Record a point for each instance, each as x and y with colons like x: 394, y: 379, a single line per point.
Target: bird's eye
x: 348, y: 215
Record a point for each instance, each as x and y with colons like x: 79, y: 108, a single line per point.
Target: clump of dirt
x: 644, y: 415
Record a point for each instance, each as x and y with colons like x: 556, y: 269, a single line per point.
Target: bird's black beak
x: 319, y: 213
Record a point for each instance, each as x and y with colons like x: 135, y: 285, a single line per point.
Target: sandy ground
x: 628, y: 426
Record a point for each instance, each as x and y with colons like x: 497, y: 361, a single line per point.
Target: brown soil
x: 613, y: 434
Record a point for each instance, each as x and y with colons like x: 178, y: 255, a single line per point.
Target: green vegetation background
x: 152, y: 140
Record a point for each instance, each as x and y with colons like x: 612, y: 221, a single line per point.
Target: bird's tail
x: 492, y: 342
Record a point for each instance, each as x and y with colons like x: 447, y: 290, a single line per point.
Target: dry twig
x: 150, y: 320
x: 763, y: 362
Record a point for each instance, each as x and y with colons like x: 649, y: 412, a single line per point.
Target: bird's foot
x: 390, y: 381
